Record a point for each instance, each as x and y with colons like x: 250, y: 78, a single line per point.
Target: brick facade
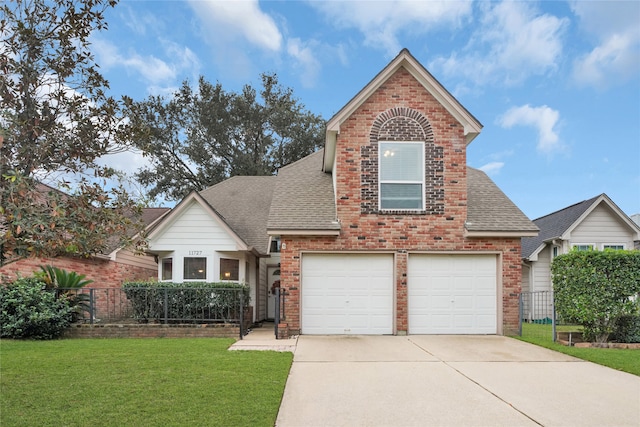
x: 152, y: 331
x: 402, y: 110
x: 104, y: 273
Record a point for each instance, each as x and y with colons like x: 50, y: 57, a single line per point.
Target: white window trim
x: 240, y: 275
x: 206, y: 268
x: 594, y: 247
x: 602, y: 247
x: 162, y: 260
x: 423, y: 183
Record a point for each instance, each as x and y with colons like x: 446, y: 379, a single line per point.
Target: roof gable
x: 472, y: 126
x: 183, y: 207
x: 560, y: 224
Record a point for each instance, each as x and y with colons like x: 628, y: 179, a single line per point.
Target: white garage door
x: 347, y: 294
x: 452, y: 294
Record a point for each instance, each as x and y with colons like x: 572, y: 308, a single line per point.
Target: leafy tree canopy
x: 200, y: 137
x: 56, y: 120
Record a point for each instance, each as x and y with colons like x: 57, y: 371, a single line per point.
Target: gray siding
x: 600, y: 227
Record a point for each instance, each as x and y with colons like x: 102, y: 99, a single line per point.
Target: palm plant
x: 67, y: 285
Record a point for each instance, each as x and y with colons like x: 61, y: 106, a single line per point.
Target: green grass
x: 621, y: 359
x: 139, y: 382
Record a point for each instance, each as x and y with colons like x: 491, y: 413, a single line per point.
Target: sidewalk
x: 264, y: 339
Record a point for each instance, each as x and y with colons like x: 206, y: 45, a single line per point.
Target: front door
x: 273, y: 282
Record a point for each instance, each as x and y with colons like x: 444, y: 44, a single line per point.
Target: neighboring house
x: 107, y: 270
x: 594, y: 224
x: 384, y: 231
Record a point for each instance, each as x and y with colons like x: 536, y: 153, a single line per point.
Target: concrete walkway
x: 450, y: 381
x: 264, y: 338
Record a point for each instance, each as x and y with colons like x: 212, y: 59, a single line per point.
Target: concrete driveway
x: 422, y: 380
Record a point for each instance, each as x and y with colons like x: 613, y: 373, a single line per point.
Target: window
x: 555, y: 251
x: 613, y: 247
x: 167, y: 269
x: 275, y: 245
x: 401, y: 173
x: 229, y: 269
x: 195, y: 269
x: 583, y: 247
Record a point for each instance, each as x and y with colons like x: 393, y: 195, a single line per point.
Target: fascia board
x: 303, y: 232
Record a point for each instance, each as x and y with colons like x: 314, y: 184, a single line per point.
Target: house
x: 220, y: 234
x: 594, y: 224
x: 384, y: 231
x: 387, y: 230
x: 107, y: 270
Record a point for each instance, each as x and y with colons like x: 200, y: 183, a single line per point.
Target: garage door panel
x: 452, y: 294
x: 347, y: 294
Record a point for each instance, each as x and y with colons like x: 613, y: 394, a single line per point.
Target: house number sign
x: 195, y: 252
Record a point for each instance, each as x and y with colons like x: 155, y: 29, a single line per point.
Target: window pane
x: 167, y: 269
x: 195, y: 269
x: 614, y: 247
x: 583, y: 247
x: 401, y: 161
x: 229, y: 269
x: 401, y: 196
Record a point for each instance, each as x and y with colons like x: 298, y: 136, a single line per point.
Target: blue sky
x: 555, y: 84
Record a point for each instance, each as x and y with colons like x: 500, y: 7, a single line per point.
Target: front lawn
x: 621, y: 359
x: 139, y: 382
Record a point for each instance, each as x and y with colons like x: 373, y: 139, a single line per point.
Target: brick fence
x: 152, y: 331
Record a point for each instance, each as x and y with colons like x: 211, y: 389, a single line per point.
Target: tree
x: 596, y: 289
x: 56, y: 120
x: 199, y: 138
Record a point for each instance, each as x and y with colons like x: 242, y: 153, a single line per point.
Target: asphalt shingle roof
x: 244, y: 203
x: 303, y: 198
x: 554, y: 225
x: 489, y: 209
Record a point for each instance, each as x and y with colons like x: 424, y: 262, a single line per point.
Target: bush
x: 627, y: 329
x: 186, y: 302
x: 595, y: 289
x: 27, y: 310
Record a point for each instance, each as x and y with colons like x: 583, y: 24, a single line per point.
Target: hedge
x: 189, y: 302
x: 596, y: 289
x: 28, y: 310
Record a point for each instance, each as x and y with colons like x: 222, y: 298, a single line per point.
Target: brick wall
x: 104, y: 273
x: 152, y: 331
x: 403, y: 106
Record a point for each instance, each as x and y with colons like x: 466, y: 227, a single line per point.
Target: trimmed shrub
x: 189, y: 302
x: 627, y: 329
x: 596, y: 288
x: 27, y: 310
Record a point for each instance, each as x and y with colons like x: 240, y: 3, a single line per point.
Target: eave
x: 508, y: 234
x: 303, y: 232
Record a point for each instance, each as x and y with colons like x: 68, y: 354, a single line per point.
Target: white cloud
x: 305, y: 60
x: 543, y: 119
x: 158, y: 73
x: 381, y: 22
x: 243, y: 18
x: 616, y: 56
x: 139, y: 23
x: 513, y: 41
x: 492, y: 168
